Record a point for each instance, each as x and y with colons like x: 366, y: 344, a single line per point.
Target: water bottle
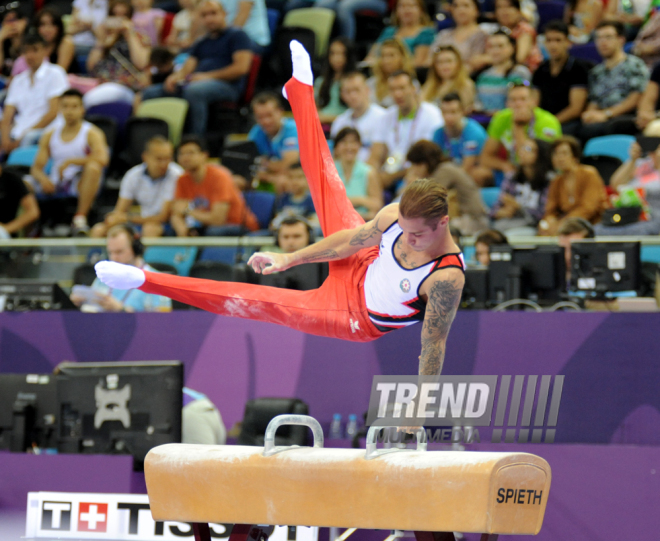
x: 335, y: 428
x: 351, y: 426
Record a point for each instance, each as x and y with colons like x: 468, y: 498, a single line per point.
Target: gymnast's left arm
x: 443, y: 289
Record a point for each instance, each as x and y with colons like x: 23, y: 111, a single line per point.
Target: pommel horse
x: 432, y: 493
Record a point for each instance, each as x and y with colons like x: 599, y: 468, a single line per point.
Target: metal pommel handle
x: 276, y: 422
x: 373, y: 451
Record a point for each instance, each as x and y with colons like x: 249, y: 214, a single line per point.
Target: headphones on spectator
x: 310, y: 231
x: 136, y: 243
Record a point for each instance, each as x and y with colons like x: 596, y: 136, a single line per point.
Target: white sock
x: 118, y: 276
x: 302, y: 64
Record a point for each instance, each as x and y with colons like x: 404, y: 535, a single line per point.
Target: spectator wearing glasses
x: 615, y: 85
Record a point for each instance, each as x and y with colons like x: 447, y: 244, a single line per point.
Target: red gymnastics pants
x: 337, y: 309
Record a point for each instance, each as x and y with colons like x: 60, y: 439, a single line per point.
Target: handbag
x: 621, y: 216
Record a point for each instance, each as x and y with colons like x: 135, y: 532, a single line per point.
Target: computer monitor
x: 28, y: 411
x: 537, y: 273
x: 475, y: 290
x: 25, y: 295
x: 598, y: 267
x: 119, y: 407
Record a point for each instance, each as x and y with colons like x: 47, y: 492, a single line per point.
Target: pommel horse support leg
x: 432, y: 493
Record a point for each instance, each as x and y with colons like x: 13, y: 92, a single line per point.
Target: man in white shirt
x: 33, y: 97
x: 361, y: 115
x: 409, y: 120
x: 151, y: 184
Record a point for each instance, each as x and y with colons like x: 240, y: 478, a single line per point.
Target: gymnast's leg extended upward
x: 337, y: 309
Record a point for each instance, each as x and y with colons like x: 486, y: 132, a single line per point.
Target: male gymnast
x: 400, y: 268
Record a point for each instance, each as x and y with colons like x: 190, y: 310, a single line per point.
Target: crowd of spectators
x: 492, y: 99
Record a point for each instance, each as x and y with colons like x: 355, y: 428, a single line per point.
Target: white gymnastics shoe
x: 119, y: 276
x: 302, y: 65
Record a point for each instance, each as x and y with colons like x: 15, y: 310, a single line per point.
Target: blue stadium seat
x: 489, y: 196
x: 23, y: 156
x: 549, y: 10
x: 221, y: 254
x: 651, y: 254
x: 262, y: 205
x: 617, y: 146
x: 586, y: 51
x: 180, y: 257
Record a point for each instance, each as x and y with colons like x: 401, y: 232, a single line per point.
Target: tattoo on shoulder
x: 363, y: 236
x: 326, y: 255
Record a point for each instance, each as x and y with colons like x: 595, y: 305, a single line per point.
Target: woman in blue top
x: 341, y: 60
x: 362, y: 186
x: 410, y: 23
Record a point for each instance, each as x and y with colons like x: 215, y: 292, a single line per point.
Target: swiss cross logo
x: 92, y: 517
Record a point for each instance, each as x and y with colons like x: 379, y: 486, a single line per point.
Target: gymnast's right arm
x: 337, y: 246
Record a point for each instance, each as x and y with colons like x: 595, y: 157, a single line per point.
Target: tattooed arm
x: 336, y: 246
x: 444, y: 295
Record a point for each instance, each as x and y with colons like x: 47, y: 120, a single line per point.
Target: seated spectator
x: 361, y: 115
x: 446, y: 75
x: 251, y: 16
x: 296, y: 199
x: 630, y: 14
x: 60, y: 49
x: 276, y: 137
x: 123, y: 246
x: 148, y: 21
x: 615, y: 85
x: 576, y: 191
x: 647, y: 42
x: 86, y: 18
x: 523, y: 194
x: 186, y: 26
x: 160, y: 67
x: 493, y: 83
x: 11, y: 40
x: 573, y: 229
x: 79, y: 152
x: 402, y: 125
x: 151, y: 185
x: 392, y: 56
x: 511, y: 128
x: 562, y: 79
x: 361, y: 181
x: 15, y: 197
x: 214, y: 71
x: 509, y: 16
x: 638, y: 172
x: 484, y: 241
x: 427, y: 161
x: 293, y: 234
x: 327, y: 87
x: 118, y: 58
x: 201, y: 422
x: 206, y: 200
x: 467, y: 37
x: 649, y: 104
x: 410, y: 22
x: 462, y: 139
x: 33, y: 97
x: 582, y: 16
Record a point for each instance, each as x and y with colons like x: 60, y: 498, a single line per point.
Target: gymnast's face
x: 418, y: 234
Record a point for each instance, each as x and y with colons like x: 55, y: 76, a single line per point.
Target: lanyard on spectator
x: 412, y: 128
x: 460, y: 138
